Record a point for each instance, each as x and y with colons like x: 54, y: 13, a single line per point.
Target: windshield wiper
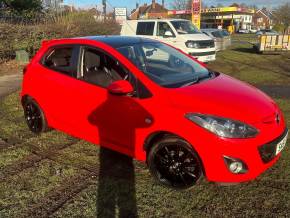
x: 196, y: 80
x: 199, y: 79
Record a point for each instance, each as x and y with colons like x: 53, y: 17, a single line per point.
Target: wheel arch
x: 155, y: 136
x: 24, y: 98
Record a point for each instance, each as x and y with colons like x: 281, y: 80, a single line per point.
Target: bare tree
x: 181, y: 4
x: 282, y: 15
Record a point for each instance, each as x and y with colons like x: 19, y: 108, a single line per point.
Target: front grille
x: 199, y: 54
x: 206, y: 44
x: 268, y: 151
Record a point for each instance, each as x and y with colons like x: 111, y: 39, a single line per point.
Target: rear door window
x: 60, y: 59
x: 145, y: 28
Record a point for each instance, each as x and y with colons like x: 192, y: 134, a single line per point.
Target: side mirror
x: 120, y: 87
x: 168, y: 34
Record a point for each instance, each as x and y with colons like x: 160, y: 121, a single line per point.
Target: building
x: 52, y: 4
x: 231, y: 18
x: 263, y: 19
x: 238, y: 17
x: 154, y: 10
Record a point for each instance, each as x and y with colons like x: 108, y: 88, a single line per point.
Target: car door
x: 113, y: 119
x: 58, y: 82
x: 68, y: 98
x: 161, y: 29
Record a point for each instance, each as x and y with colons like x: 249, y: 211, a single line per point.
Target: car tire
x: 34, y: 116
x: 174, y: 163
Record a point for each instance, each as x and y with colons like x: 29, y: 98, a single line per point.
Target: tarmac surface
x: 10, y: 84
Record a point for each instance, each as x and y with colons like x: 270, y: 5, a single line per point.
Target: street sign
x: 120, y: 15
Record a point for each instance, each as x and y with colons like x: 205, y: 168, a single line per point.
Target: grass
x: 58, y: 176
x: 242, y: 62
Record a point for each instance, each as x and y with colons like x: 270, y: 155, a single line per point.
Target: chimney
x: 163, y: 3
x: 153, y: 4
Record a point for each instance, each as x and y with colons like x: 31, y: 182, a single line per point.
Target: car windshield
x: 217, y: 34
x: 165, y: 65
x: 185, y: 27
x: 225, y: 33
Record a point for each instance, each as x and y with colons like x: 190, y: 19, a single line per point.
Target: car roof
x: 116, y: 41
x: 211, y: 30
x: 157, y: 19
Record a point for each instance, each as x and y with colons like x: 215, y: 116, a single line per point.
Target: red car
x: 152, y: 102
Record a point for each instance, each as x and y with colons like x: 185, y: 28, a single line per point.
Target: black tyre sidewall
x: 43, y: 118
x: 159, y: 145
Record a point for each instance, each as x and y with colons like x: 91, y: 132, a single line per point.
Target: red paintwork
x: 121, y: 122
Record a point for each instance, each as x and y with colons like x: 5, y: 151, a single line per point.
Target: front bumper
x: 214, y: 149
x: 204, y: 56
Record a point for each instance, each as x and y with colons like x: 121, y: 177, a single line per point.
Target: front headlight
x: 192, y: 44
x: 223, y: 127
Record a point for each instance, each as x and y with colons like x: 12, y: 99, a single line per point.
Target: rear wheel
x: 174, y: 163
x: 34, y: 116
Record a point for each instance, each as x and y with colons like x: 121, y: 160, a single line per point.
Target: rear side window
x: 59, y: 59
x: 145, y: 28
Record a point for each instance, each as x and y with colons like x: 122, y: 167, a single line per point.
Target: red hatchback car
x: 150, y: 101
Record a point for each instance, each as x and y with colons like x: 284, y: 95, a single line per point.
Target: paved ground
x: 9, y: 84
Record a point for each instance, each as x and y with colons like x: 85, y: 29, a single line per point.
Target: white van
x: 179, y: 33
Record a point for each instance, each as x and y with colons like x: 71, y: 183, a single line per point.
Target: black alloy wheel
x: 34, y: 117
x: 174, y: 163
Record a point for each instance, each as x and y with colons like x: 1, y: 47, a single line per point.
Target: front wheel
x: 174, y: 163
x: 34, y: 117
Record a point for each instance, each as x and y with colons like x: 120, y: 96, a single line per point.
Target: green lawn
x: 58, y: 176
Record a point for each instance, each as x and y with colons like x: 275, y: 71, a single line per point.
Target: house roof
x: 266, y: 13
x: 149, y: 9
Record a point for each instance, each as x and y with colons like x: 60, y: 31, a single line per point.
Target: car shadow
x: 117, y: 121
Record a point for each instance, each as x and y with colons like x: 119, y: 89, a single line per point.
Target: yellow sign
x: 196, y: 11
x: 227, y: 9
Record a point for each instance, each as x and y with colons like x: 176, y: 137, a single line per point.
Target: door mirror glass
x: 120, y: 87
x: 168, y: 34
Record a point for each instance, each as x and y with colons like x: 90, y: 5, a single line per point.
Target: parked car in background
x: 253, y: 30
x: 179, y: 33
x: 221, y: 37
x: 148, y: 100
x: 243, y: 31
x: 267, y: 32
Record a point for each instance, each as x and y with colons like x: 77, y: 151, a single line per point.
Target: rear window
x: 59, y: 59
x: 145, y: 28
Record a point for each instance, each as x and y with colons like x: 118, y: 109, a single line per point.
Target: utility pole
x: 104, y: 9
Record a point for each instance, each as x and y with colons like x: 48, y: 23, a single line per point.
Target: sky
x: 130, y: 4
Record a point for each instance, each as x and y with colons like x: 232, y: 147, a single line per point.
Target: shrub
x: 28, y: 37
